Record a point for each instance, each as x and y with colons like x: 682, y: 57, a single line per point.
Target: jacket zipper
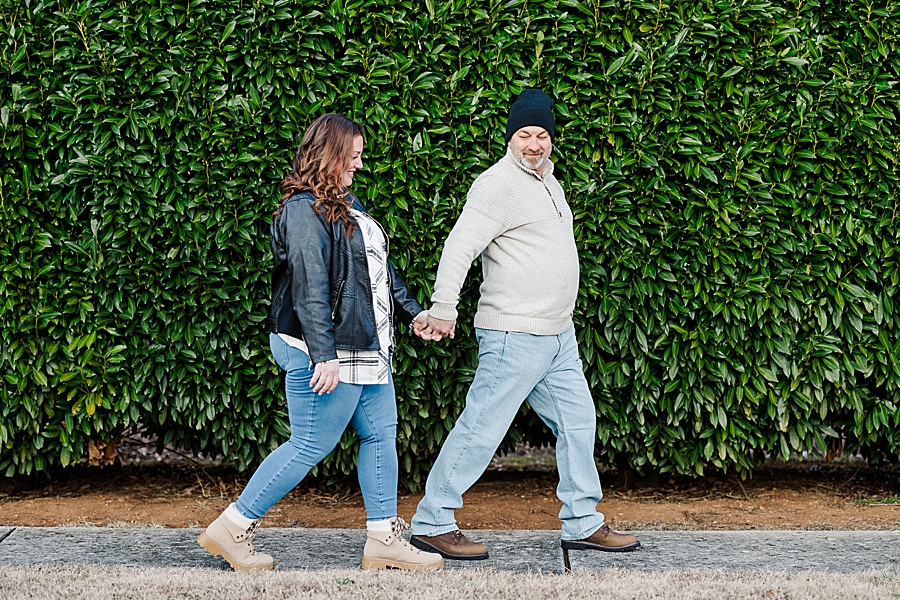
x: 337, y: 298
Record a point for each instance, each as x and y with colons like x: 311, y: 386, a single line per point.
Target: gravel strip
x: 514, y: 551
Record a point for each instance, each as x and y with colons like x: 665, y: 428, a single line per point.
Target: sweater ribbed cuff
x: 444, y: 311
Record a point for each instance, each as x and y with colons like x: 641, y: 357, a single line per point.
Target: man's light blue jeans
x: 317, y: 423
x: 512, y: 366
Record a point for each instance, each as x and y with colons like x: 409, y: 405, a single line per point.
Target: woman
x: 334, y: 294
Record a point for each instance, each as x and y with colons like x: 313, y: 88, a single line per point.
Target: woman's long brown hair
x: 324, y: 155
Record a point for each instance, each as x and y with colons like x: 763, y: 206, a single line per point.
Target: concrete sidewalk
x: 517, y: 551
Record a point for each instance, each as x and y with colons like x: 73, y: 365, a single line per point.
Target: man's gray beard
x: 528, y: 163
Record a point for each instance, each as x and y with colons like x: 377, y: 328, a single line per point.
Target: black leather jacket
x: 321, y: 290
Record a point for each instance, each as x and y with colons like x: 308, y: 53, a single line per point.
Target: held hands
x: 431, y: 329
x: 326, y: 377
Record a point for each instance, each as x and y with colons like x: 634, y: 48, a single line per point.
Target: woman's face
x: 355, y: 162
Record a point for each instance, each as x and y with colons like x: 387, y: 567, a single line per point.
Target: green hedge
x: 732, y: 166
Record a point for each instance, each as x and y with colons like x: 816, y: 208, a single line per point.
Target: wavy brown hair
x: 324, y: 154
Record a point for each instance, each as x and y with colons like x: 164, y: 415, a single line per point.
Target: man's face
x: 531, y: 146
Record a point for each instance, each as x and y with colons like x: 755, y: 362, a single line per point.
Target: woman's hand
x: 326, y: 377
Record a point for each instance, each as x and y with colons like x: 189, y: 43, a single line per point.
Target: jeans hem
x: 436, y: 531
x: 584, y: 534
x: 387, y: 515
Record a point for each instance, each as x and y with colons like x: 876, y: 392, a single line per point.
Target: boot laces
x: 398, y: 527
x: 251, y: 533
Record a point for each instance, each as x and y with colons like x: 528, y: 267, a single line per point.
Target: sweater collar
x: 548, y: 166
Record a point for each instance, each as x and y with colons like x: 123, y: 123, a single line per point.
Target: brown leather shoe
x: 453, y: 545
x: 604, y: 539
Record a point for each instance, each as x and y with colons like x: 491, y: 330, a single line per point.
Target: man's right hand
x: 440, y: 328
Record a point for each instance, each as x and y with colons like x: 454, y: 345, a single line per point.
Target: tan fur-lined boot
x: 226, y: 539
x: 390, y: 550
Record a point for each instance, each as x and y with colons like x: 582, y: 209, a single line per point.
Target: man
x: 517, y: 218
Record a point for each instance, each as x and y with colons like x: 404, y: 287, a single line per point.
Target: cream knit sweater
x: 522, y: 227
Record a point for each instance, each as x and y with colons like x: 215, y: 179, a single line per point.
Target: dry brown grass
x: 118, y: 583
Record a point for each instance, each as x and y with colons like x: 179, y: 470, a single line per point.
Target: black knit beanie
x: 532, y: 108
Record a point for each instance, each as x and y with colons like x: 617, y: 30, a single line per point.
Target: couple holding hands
x: 334, y: 297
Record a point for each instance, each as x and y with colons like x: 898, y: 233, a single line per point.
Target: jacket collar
x: 548, y: 166
x: 355, y: 202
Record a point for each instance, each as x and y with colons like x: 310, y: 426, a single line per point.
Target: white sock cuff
x: 382, y: 526
x: 234, y: 515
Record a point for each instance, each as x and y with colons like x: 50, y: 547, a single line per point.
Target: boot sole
x: 573, y: 545
x: 383, y: 563
x: 213, y: 548
x: 423, y: 545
